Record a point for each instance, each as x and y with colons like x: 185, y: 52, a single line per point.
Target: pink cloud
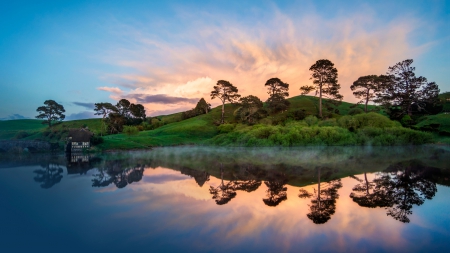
x: 247, y: 56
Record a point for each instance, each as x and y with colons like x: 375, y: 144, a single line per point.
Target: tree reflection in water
x: 223, y: 193
x: 49, y: 175
x: 323, y: 200
x: 276, y: 192
x: 200, y: 177
x: 247, y: 179
x: 398, y: 188
x: 365, y: 195
x: 114, y: 172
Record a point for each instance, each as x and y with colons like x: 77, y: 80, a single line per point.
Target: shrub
x: 297, y: 115
x: 328, y: 122
x: 348, y: 122
x: 355, y: 111
x: 311, y: 120
x: 406, y: 121
x: 130, y: 130
x: 225, y: 128
x: 373, y: 119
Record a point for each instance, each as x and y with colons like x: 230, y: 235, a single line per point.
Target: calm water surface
x: 228, y: 200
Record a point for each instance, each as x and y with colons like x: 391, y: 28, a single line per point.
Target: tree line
x: 400, y: 92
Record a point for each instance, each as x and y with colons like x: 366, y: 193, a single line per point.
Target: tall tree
x: 366, y: 88
x: 52, y: 111
x: 324, y: 76
x: 405, y: 90
x: 278, y: 91
x: 226, y: 92
x: 104, y: 109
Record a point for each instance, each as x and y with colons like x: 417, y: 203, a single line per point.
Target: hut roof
x: 80, y: 135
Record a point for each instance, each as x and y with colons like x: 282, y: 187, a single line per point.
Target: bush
x: 225, y: 128
x: 373, y: 119
x: 311, y: 120
x: 328, y: 122
x: 406, y: 121
x: 355, y: 111
x: 130, y: 130
x: 348, y: 122
x: 21, y: 134
x: 297, y: 115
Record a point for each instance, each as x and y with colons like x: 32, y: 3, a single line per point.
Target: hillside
x: 172, y: 130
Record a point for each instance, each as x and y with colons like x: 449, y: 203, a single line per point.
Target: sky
x: 167, y: 55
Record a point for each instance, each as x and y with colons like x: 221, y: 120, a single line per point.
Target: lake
x: 198, y: 199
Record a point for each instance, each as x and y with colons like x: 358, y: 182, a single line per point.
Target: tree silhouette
x: 324, y: 76
x: 323, y: 200
x: 276, y: 192
x: 404, y: 185
x: 49, y: 175
x: 278, y: 91
x: 364, y: 195
x: 405, y: 90
x: 223, y: 193
x: 52, y: 111
x: 366, y: 88
x: 104, y: 109
x: 225, y: 91
x: 200, y: 177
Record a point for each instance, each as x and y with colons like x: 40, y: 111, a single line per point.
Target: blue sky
x: 168, y: 54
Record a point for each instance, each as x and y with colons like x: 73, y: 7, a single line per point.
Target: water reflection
x: 276, y: 192
x: 404, y: 185
x: 117, y: 173
x: 323, y: 200
x: 49, y: 175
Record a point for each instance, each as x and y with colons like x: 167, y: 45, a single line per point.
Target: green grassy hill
x: 9, y: 128
x: 171, y: 129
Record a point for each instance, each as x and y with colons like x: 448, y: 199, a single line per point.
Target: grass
x: 172, y: 130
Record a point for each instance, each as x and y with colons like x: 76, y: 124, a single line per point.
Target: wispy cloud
x: 89, y: 106
x: 187, y: 64
x: 14, y: 116
x: 82, y: 115
x: 161, y: 99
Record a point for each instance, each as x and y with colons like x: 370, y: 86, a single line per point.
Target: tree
x: 324, y: 76
x: 405, y: 90
x: 278, y: 91
x: 250, y: 109
x: 52, y: 111
x: 366, y: 88
x: 123, y: 107
x: 202, y: 106
x: 104, y: 109
x: 137, y: 111
x: 226, y: 92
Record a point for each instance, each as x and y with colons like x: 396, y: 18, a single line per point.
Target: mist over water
x: 194, y: 199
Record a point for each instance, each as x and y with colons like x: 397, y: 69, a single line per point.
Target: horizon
x: 168, y: 55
